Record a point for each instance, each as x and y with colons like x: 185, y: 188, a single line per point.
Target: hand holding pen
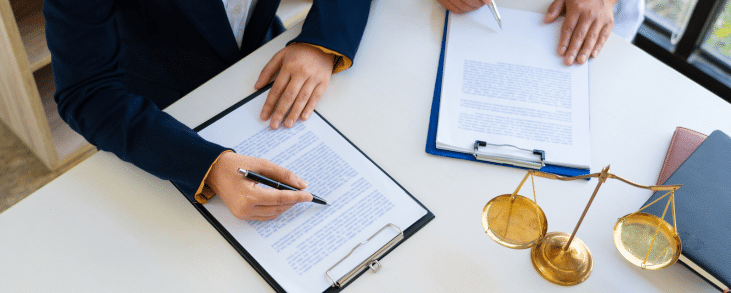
x: 248, y: 200
x: 275, y: 184
x: 462, y: 6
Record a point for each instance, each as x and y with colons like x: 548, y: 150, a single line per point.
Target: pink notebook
x: 683, y: 143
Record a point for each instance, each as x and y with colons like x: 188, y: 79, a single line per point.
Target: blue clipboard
x: 431, y: 138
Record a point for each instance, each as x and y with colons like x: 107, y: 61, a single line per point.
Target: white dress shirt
x: 238, y: 12
x: 628, y: 16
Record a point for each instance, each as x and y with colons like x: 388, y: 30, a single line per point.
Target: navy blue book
x: 702, y: 207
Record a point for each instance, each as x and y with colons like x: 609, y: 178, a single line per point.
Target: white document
x: 298, y: 248
x: 510, y: 86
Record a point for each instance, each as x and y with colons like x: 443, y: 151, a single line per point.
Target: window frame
x: 687, y: 55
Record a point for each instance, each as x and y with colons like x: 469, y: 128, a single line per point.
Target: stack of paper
x: 509, y: 87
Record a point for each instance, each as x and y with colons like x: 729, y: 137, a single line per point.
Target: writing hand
x: 462, y: 6
x: 303, y: 73
x: 585, y: 29
x: 245, y: 198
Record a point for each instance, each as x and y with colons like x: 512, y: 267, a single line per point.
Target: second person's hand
x: 462, y: 6
x: 585, y: 29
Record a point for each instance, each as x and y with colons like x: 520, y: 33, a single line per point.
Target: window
x: 713, y: 56
x: 692, y: 36
x: 671, y: 16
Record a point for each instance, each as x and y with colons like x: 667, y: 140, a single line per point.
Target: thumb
x: 554, y: 11
x: 281, y: 174
x: 269, y: 70
x: 487, y: 2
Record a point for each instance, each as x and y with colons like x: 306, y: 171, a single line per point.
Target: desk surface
x: 107, y: 226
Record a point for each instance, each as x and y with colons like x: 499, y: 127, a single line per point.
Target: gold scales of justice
x: 645, y: 240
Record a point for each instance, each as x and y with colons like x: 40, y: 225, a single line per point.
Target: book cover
x: 701, y: 205
x: 683, y: 143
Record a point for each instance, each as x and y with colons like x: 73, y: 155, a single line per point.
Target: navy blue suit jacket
x: 117, y: 63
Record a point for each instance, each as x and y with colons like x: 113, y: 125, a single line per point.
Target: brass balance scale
x: 645, y: 240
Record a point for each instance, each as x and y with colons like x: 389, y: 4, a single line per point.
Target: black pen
x: 275, y: 184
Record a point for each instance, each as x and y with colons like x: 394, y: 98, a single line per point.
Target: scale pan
x: 514, y: 222
x: 633, y: 236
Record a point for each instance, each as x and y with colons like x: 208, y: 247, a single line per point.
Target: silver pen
x: 496, y: 14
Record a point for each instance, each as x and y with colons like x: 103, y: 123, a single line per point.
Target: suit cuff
x: 204, y: 193
x: 341, y: 63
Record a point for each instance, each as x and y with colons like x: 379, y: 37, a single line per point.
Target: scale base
x: 563, y: 267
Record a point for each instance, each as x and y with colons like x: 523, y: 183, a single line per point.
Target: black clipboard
x: 431, y: 139
x: 406, y: 233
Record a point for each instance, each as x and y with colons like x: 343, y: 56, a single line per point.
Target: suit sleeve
x: 336, y: 25
x: 84, y: 43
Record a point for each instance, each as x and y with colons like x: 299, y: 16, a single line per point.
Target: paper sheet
x: 298, y: 247
x: 510, y: 87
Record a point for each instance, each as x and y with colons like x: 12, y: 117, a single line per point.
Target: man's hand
x: 585, y: 29
x: 303, y: 73
x: 245, y: 198
x: 462, y: 6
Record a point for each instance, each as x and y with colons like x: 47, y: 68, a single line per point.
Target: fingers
x: 279, y: 173
x: 247, y: 200
x: 586, y: 28
x: 554, y: 11
x: 260, y: 218
x: 273, y: 97
x: 451, y: 7
x: 261, y: 203
x: 273, y: 197
x: 285, y: 99
x: 300, y: 102
x: 567, y: 30
x: 302, y: 70
x: 310, y: 107
x: 578, y: 36
x: 260, y: 212
x: 462, y: 6
x: 603, y: 36
x: 472, y: 4
x: 589, y: 43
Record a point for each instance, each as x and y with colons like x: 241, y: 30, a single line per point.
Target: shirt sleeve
x: 204, y: 193
x: 340, y: 63
x: 336, y: 26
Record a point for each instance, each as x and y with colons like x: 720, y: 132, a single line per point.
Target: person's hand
x: 303, y: 73
x: 585, y: 29
x: 245, y: 198
x: 462, y: 6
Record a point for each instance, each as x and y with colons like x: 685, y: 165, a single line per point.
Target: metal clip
x: 375, y: 266
x: 508, y: 160
x: 371, y: 262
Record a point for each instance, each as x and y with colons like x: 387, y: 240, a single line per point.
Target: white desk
x: 107, y: 226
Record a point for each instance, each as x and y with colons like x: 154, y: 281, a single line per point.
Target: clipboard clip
x: 511, y: 161
x: 371, y: 262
